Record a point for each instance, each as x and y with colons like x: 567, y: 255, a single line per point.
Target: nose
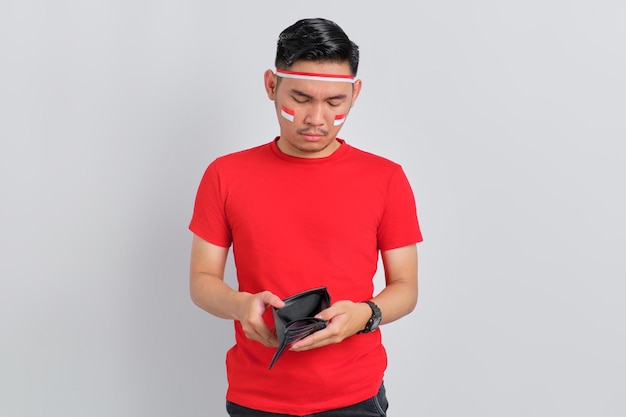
x: 315, y: 115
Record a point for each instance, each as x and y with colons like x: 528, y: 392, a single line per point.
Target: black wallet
x: 296, y: 320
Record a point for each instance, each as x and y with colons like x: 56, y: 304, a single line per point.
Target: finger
x: 329, y: 313
x: 269, y: 338
x: 304, y: 346
x: 266, y: 339
x: 313, y: 341
x: 272, y: 299
x: 264, y: 335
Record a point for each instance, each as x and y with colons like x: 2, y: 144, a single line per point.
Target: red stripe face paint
x: 339, y: 119
x: 287, y: 113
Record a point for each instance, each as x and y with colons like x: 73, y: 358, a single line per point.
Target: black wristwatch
x: 374, y: 321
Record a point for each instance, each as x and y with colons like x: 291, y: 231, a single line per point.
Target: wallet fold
x: 296, y: 320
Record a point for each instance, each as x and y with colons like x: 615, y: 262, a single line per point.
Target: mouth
x: 312, y: 136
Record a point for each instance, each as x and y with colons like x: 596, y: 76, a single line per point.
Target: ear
x: 356, y: 89
x: 269, y: 79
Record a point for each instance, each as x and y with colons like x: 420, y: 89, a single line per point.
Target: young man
x: 304, y: 211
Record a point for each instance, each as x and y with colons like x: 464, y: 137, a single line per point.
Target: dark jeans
x: 372, y: 407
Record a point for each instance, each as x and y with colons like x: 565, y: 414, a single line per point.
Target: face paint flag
x: 287, y: 113
x: 339, y: 119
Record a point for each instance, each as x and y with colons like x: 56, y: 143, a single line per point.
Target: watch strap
x: 374, y: 320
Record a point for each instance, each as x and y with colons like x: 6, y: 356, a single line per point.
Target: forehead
x: 319, y: 87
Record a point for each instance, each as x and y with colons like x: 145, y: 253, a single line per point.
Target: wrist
x: 240, y: 302
x: 365, y: 315
x: 374, y: 318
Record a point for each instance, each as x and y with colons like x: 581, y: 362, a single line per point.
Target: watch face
x: 375, y: 322
x: 375, y: 319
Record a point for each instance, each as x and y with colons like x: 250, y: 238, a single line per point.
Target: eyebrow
x: 303, y: 94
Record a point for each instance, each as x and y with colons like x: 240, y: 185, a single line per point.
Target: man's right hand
x: 253, y: 307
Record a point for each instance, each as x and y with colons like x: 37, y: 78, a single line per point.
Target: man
x: 304, y: 211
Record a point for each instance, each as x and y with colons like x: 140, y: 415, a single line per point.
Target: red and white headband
x: 315, y: 76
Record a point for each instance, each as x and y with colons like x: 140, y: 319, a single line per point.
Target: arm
x: 210, y: 292
x: 399, y: 297
x: 396, y: 300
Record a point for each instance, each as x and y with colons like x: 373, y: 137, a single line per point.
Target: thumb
x: 272, y: 299
x: 326, y: 314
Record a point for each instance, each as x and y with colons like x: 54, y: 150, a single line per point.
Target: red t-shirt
x: 296, y: 224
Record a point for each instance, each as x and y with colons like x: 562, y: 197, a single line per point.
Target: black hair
x: 315, y: 40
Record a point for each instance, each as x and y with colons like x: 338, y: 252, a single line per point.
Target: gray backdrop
x: 508, y: 117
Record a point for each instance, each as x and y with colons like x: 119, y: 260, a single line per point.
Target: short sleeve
x: 209, y: 220
x: 399, y: 224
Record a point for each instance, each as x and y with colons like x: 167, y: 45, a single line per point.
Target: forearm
x: 396, y: 300
x: 399, y: 297
x: 213, y: 295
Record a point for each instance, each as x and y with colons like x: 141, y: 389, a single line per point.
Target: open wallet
x: 296, y: 320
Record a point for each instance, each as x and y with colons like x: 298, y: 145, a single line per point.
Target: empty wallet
x: 296, y: 320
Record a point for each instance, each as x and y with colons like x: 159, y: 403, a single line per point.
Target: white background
x: 508, y: 117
